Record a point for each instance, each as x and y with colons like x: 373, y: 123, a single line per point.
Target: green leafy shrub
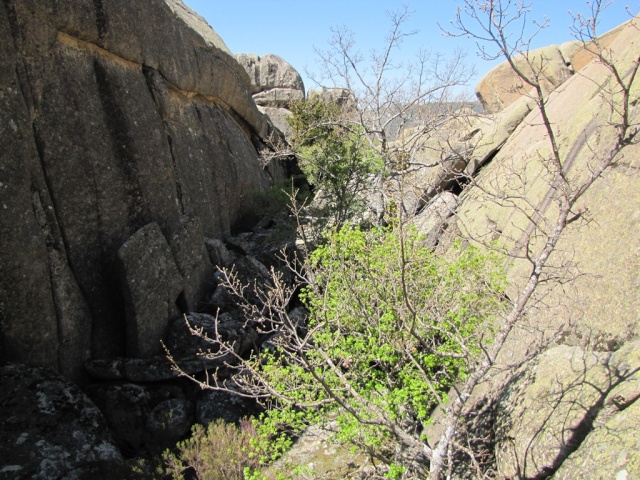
x: 392, y: 327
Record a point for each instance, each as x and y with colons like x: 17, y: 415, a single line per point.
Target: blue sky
x: 292, y: 28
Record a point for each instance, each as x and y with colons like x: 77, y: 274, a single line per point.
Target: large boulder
x: 596, y: 252
x: 340, y: 96
x: 51, y: 429
x: 144, y: 418
x: 108, y: 124
x: 432, y: 220
x: 198, y: 333
x: 547, y: 410
x: 274, y: 82
x: 500, y: 87
x: 152, y: 287
x: 275, y: 86
x: 611, y: 449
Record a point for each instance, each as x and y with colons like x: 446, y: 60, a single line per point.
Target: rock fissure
x: 101, y: 19
x: 50, y: 213
x: 154, y: 80
x: 40, y: 215
x: 124, y: 147
x: 541, y: 211
x: 70, y: 41
x: 174, y: 164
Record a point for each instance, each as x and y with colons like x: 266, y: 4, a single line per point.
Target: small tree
x: 335, y: 159
x: 386, y: 98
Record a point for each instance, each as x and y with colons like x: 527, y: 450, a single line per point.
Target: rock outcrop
x: 600, y: 247
x: 569, y: 411
x: 116, y: 117
x: 502, y: 86
x: 275, y: 86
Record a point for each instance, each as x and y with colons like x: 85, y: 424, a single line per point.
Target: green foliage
x: 222, y: 451
x: 395, y: 472
x: 335, y: 155
x: 392, y: 327
x: 270, y: 202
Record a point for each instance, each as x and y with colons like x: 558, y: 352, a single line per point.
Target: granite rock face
x: 605, y: 246
x: 114, y: 115
x: 571, y: 410
x: 562, y: 400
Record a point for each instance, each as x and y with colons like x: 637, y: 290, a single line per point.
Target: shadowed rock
x: 107, y: 124
x: 152, y: 286
x: 50, y: 429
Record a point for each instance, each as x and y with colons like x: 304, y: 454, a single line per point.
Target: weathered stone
x: 493, y: 132
x: 170, y: 420
x: 228, y: 406
x: 198, y: 333
x: 152, y: 286
x: 432, y: 220
x: 253, y: 272
x: 339, y: 96
x: 107, y: 369
x: 437, y: 167
x: 50, y: 429
x: 192, y: 260
x: 219, y: 299
x: 218, y: 253
x: 106, y: 128
x: 183, y: 338
x: 279, y: 117
x: 626, y: 362
x: 278, y: 97
x: 271, y: 72
x: 299, y: 316
x: 502, y: 86
x: 322, y: 456
x: 545, y: 412
x: 125, y: 407
x: 158, y: 369
x: 140, y: 417
x: 244, y: 242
